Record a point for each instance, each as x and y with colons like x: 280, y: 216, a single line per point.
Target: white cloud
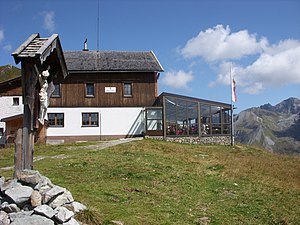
x: 278, y: 65
x: 1, y: 35
x: 48, y: 17
x: 178, y: 79
x: 271, y: 65
x: 219, y: 43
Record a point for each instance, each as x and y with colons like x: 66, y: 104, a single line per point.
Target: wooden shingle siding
x: 73, y: 92
x: 11, y: 88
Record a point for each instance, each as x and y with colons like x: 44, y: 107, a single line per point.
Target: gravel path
x: 107, y: 144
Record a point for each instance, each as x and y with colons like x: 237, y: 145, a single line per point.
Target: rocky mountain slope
x: 9, y: 72
x: 276, y: 128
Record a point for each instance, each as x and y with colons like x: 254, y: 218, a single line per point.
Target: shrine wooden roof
x: 37, y: 48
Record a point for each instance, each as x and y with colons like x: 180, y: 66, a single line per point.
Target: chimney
x: 85, y: 47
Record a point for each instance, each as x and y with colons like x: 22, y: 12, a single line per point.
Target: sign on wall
x: 110, y: 89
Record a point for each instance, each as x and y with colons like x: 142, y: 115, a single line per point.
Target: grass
x: 155, y: 182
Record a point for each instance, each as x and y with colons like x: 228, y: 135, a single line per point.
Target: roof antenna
x: 85, y: 46
x: 98, y: 29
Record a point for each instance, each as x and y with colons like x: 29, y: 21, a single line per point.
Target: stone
x: 21, y: 201
x: 4, y: 220
x: 52, y: 193
x: 10, y: 208
x: 10, y: 184
x: 72, y: 221
x: 29, y: 176
x: 15, y: 215
x: 117, y: 222
x: 32, y: 220
x: 61, y: 200
x: 63, y: 214
x: 44, y: 184
x: 2, y: 180
x: 20, y: 194
x: 44, y: 210
x: 35, y: 199
x: 75, y: 207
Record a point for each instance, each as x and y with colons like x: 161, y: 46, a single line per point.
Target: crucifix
x: 42, y: 61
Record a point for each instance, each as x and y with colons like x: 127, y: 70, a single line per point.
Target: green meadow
x: 155, y: 182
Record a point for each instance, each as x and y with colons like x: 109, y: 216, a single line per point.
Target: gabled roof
x: 112, y: 61
x: 39, y: 48
x: 10, y: 118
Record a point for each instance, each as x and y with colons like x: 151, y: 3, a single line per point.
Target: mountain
x: 276, y: 128
x: 9, y: 72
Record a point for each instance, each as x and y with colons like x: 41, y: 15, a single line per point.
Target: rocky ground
x: 32, y: 199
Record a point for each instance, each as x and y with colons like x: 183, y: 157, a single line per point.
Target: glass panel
x: 226, y: 128
x: 170, y: 111
x: 90, y: 91
x: 154, y: 114
x: 15, y: 101
x: 226, y: 115
x: 182, y: 123
x: 85, y: 119
x: 192, y: 110
x: 216, y: 119
x: 154, y: 124
x: 216, y: 128
x: 56, y: 92
x: 51, y: 119
x: 216, y: 114
x: 205, y: 119
x: 94, y: 119
x: 60, y: 119
x: 127, y: 89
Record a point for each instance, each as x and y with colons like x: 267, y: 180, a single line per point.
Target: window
x: 127, y: 89
x: 89, y: 89
x: 90, y: 119
x: 56, y: 92
x: 216, y: 119
x: 192, y: 108
x: 16, y: 101
x: 181, y: 117
x: 170, y: 108
x: 154, y: 119
x: 55, y: 119
x: 1, y: 131
x: 226, y: 121
x: 205, y: 119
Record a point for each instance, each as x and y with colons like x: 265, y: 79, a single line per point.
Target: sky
x: 198, y: 42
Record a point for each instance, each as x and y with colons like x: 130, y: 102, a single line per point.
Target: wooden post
x: 29, y: 80
x: 18, y: 151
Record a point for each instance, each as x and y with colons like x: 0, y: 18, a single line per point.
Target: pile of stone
x: 32, y: 199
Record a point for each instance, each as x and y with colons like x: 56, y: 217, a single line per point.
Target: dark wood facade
x: 11, y: 87
x: 73, y: 89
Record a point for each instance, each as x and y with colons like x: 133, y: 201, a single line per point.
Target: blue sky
x: 196, y: 41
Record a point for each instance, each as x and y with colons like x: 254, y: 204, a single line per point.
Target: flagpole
x: 232, y: 122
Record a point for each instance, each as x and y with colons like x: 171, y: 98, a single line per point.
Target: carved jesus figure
x: 43, y: 95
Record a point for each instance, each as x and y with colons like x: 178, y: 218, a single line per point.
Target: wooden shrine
x: 42, y: 62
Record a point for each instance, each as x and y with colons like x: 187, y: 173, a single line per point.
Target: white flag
x: 233, y: 91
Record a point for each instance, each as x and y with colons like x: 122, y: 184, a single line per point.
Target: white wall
x: 7, y: 109
x: 112, y: 121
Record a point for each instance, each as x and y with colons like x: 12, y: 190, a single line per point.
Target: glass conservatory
x: 176, y: 115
